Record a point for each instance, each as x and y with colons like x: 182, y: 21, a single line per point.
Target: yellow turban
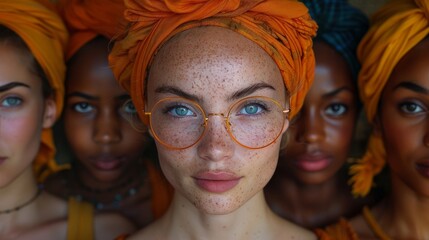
x: 46, y: 37
x: 282, y: 28
x: 395, y: 29
x: 87, y: 19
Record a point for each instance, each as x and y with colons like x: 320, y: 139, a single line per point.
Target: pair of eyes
x: 85, y: 107
x: 183, y: 110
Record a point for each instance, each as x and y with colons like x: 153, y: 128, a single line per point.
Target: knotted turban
x: 283, y: 28
x: 87, y: 19
x: 341, y: 25
x: 46, y: 36
x: 395, y: 29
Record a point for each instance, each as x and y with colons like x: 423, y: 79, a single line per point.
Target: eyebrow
x: 336, y: 91
x: 236, y: 95
x: 82, y: 95
x: 412, y: 86
x: 249, y: 90
x: 11, y: 85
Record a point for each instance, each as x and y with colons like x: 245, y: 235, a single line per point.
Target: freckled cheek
x: 174, y: 164
x: 262, y: 166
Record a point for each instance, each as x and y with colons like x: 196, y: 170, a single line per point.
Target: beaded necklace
x: 118, y: 197
x: 19, y: 207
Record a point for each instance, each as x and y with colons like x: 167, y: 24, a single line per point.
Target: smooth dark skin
x: 322, y: 132
x: 402, y: 121
x: 96, y: 132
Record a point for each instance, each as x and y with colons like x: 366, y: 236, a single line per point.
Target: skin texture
x: 24, y: 112
x: 403, y: 124
x: 318, y: 146
x: 108, y: 151
x: 210, y: 65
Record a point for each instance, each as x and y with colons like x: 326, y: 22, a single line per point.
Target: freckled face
x: 22, y: 114
x: 321, y: 136
x: 404, y: 119
x: 210, y: 64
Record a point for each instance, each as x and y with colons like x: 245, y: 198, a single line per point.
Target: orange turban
x: 46, y: 36
x: 396, y: 28
x: 283, y: 28
x: 86, y: 19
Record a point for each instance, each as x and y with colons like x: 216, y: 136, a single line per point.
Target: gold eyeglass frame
x: 206, y: 119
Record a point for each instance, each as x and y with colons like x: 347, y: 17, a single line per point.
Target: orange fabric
x: 87, y: 19
x: 162, y: 191
x: 46, y: 37
x: 339, y: 231
x: 282, y: 28
x: 395, y: 29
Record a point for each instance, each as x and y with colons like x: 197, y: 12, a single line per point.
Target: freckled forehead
x: 216, y: 57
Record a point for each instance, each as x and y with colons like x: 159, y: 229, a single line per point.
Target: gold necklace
x: 17, y: 208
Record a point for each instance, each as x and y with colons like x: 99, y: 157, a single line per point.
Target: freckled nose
x: 107, y: 128
x: 216, y: 144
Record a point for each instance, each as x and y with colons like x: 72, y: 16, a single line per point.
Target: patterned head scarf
x: 395, y: 29
x: 282, y: 28
x: 341, y: 25
x: 86, y: 19
x: 46, y: 37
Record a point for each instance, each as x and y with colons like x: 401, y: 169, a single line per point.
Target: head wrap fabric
x: 396, y: 28
x: 86, y: 19
x: 341, y: 25
x: 46, y: 37
x: 282, y: 28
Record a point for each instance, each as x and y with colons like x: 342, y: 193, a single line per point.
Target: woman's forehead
x: 213, y: 58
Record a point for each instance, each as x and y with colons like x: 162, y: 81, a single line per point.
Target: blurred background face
x: 215, y: 67
x: 22, y: 113
x: 404, y: 120
x: 101, y: 138
x: 321, y: 135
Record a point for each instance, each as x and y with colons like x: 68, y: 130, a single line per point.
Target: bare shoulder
x: 289, y: 230
x: 111, y: 225
x: 153, y: 231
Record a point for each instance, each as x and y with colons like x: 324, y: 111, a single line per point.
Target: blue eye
x: 129, y: 108
x: 336, y: 109
x: 252, y: 109
x: 180, y: 111
x: 82, y: 107
x: 11, y: 102
x: 411, y: 108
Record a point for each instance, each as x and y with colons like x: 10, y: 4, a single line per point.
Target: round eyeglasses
x: 253, y: 122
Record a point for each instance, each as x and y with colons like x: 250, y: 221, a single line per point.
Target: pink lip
x: 216, y: 181
x: 423, y: 168
x: 313, y: 162
x: 107, y: 163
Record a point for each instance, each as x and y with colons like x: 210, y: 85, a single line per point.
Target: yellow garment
x: 395, y: 29
x: 87, y: 19
x: 80, y: 220
x: 282, y: 28
x: 46, y: 37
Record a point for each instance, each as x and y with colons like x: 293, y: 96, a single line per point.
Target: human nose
x: 310, y: 128
x: 107, y: 127
x: 216, y: 144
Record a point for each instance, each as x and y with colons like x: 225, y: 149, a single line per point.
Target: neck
x: 19, y: 190
x: 295, y: 200
x: 184, y: 221
x: 404, y: 213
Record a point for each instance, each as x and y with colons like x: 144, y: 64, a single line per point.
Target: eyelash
x: 403, y: 107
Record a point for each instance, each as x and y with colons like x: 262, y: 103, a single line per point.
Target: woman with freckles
x: 394, y: 87
x: 217, y: 82
x: 310, y: 186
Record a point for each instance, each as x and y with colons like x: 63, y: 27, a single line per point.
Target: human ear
x: 50, y: 111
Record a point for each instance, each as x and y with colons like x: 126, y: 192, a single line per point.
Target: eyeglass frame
x: 206, y: 116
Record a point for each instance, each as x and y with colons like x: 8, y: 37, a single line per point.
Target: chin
x: 218, y: 205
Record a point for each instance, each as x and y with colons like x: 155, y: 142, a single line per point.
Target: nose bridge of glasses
x: 225, y: 118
